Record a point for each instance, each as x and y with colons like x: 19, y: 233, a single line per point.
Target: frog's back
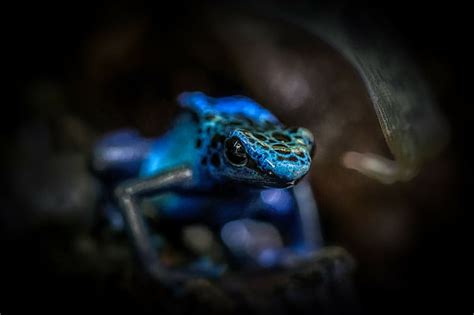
x: 175, y: 148
x: 185, y: 143
x: 197, y: 141
x: 126, y: 154
x: 238, y: 105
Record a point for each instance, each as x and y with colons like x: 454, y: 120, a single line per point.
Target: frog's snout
x: 290, y: 174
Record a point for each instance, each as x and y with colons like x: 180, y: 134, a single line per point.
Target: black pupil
x: 235, y: 151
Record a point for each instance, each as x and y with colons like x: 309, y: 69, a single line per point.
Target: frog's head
x: 272, y: 158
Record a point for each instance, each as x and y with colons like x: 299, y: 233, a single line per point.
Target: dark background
x: 47, y: 42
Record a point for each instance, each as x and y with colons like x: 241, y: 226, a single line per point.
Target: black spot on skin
x: 260, y: 137
x: 198, y: 143
x: 235, y: 123
x: 300, y: 154
x: 292, y: 158
x: 251, y: 140
x: 281, y: 137
x: 215, y: 160
x: 216, y: 140
x: 209, y: 117
x: 248, y: 121
x: 283, y: 149
x: 268, y: 124
x: 280, y: 158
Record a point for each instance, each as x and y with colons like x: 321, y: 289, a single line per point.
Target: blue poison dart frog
x: 227, y: 163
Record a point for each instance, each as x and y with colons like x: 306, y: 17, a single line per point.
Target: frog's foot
x: 258, y: 243
x: 248, y: 240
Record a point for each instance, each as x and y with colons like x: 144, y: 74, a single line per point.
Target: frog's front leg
x: 308, y: 252
x: 294, y: 214
x: 128, y: 194
x: 308, y: 215
x: 300, y: 224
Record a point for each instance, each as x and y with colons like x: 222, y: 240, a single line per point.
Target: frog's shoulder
x: 236, y: 105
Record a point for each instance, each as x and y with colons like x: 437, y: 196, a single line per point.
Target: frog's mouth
x: 273, y: 184
x: 287, y: 184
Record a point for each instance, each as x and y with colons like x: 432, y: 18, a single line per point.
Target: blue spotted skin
x: 241, y: 157
x: 276, y: 156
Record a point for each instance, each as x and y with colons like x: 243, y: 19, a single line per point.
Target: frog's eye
x: 235, y: 152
